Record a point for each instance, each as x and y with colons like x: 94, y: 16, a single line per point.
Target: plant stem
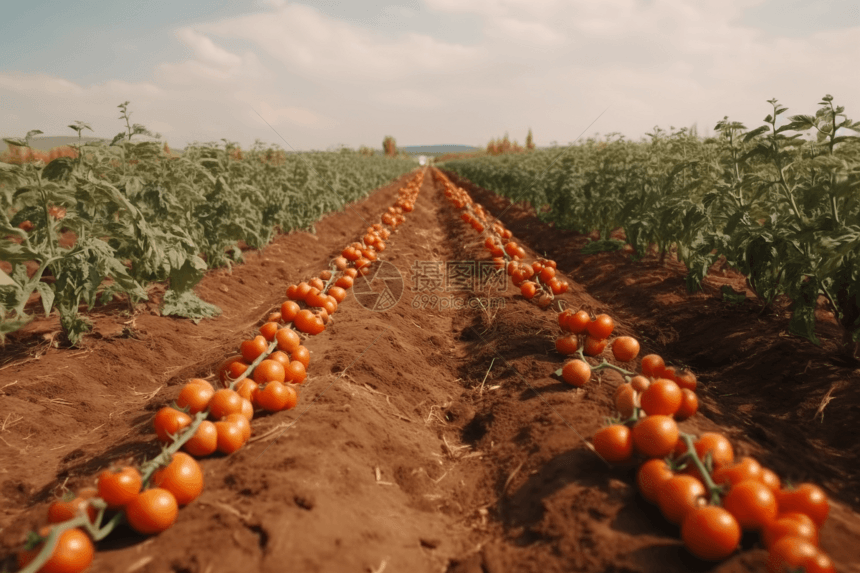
x: 714, y: 490
x: 254, y: 364
x: 162, y: 459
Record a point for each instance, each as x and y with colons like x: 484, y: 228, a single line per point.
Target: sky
x: 318, y: 74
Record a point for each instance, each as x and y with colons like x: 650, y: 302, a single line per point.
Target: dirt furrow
x: 430, y: 435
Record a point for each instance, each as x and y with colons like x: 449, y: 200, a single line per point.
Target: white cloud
x: 206, y: 51
x: 552, y: 65
x: 321, y: 48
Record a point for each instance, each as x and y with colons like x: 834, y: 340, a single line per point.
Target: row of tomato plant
x: 265, y: 375
x: 782, y: 209
x: 110, y: 219
x: 695, y: 480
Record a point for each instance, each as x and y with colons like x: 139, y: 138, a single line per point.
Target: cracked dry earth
x: 426, y: 438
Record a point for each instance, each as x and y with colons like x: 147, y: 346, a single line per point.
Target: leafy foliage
x: 783, y: 209
x: 602, y: 246
x: 138, y: 213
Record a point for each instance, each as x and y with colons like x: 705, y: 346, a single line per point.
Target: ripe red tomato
x: 247, y: 410
x: 60, y: 511
x: 797, y: 554
x: 662, y: 397
x: 576, y: 373
x: 567, y: 344
x: 169, y: 421
x: 274, y: 397
x: 289, y: 310
x: 232, y: 368
x: 224, y: 403
x: 752, y: 503
x: 626, y: 400
x: 195, y: 397
x: 528, y: 289
x: 710, y: 533
x: 243, y: 423
x: 594, y: 346
x: 269, y: 371
x: 252, y: 349
x: 653, y: 365
x: 625, y: 348
x: 614, y: 443
x: 745, y: 468
x: 308, y: 322
x: 786, y: 526
x: 686, y: 379
x: 601, y: 327
x: 651, y: 477
x: 152, y: 511
x: 689, y: 405
x: 182, y: 477
x: 655, y: 436
x: 806, y: 498
x: 640, y: 383
x: 230, y: 437
x: 578, y: 323
x: 563, y: 317
x: 337, y: 293
x: 279, y: 356
x: 119, y: 488
x: 246, y: 388
x: 718, y: 446
x: 547, y: 274
x: 770, y: 479
x: 680, y: 495
x: 73, y: 553
x: 296, y: 372
x: 303, y: 355
x: 268, y: 330
x: 203, y: 442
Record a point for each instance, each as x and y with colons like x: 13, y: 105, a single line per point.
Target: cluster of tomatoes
x: 537, y: 281
x: 264, y: 375
x: 695, y: 480
x: 698, y: 484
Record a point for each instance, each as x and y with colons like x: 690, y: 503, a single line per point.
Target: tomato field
x: 431, y: 378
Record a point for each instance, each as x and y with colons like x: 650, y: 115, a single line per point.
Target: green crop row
x: 782, y: 208
x: 138, y: 214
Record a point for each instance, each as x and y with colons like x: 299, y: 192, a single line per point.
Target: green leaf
x: 58, y: 169
x: 74, y: 326
x: 188, y: 305
x: 47, y: 295
x: 756, y: 132
x: 16, y: 141
x: 802, y: 321
x: 9, y: 326
x: 732, y: 297
x: 602, y: 246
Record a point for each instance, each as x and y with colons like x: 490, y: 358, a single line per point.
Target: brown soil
x: 425, y: 439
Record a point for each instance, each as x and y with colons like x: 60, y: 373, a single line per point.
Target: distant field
x: 47, y: 143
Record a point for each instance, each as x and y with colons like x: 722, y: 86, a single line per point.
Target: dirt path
x: 426, y: 438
